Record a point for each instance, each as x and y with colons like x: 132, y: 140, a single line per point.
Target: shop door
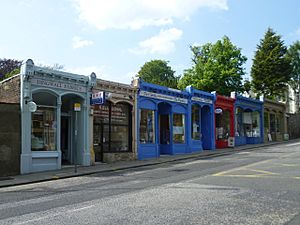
x: 101, y: 141
x: 65, y: 140
x: 164, y: 133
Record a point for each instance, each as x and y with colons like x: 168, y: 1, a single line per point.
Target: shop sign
x: 59, y: 85
x: 77, y: 107
x: 163, y: 97
x: 98, y: 98
x: 218, y: 110
x: 199, y: 99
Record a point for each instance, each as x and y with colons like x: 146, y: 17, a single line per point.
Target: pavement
x: 69, y: 171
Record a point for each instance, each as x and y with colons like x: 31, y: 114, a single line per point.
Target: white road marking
x: 297, y: 143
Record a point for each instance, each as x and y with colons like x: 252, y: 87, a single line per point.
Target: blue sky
x: 115, y: 38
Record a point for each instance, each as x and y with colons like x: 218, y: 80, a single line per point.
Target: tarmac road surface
x: 261, y: 186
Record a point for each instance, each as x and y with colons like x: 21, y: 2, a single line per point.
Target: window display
x: 43, y: 132
x: 239, y: 128
x: 119, y: 138
x: 255, y: 124
x: 114, y: 122
x: 196, y: 134
x: 147, y: 129
x: 222, y: 124
x: 178, y: 128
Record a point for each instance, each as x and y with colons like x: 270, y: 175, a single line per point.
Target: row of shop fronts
x: 68, y: 118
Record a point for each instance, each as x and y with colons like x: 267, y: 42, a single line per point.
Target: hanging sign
x: 77, y: 107
x: 98, y: 98
x: 218, y: 110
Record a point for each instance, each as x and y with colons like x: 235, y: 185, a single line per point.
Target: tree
x: 216, y: 67
x: 293, y: 55
x: 9, y: 67
x: 158, y: 72
x: 271, y: 68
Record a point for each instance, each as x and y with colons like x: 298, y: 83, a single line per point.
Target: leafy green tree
x: 158, y: 72
x: 293, y: 55
x: 247, y: 86
x: 271, y: 68
x: 216, y: 67
x: 9, y: 67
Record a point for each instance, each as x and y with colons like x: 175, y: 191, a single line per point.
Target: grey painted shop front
x: 55, y: 118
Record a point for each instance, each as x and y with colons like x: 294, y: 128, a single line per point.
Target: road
x: 259, y: 186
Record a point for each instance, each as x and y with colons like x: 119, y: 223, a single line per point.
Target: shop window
x: 222, y: 124
x: 120, y: 127
x: 114, y: 127
x: 266, y: 121
x: 239, y: 127
x: 43, y: 129
x: 278, y: 123
x: 255, y: 124
x: 247, y: 123
x: 196, y: 134
x: 272, y: 123
x: 178, y: 128
x: 147, y: 127
x: 119, y: 138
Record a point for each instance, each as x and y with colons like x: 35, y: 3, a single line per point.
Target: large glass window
x: 247, y: 123
x: 278, y: 122
x: 114, y: 121
x: 43, y: 129
x: 266, y: 121
x: 147, y: 126
x: 239, y: 127
x: 272, y: 123
x: 255, y: 124
x: 178, y: 128
x: 222, y: 124
x: 196, y: 134
x: 119, y: 138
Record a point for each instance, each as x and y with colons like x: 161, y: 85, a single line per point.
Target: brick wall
x: 10, y: 139
x: 10, y: 90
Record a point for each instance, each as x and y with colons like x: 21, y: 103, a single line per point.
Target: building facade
x: 54, y: 118
x: 275, y: 121
x: 249, y: 113
x: 201, y: 120
x: 112, y: 126
x: 224, y: 121
x: 162, y: 115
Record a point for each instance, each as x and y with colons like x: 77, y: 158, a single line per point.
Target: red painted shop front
x: 224, y: 121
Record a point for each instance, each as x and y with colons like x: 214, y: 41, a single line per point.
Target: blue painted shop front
x: 201, y: 120
x: 248, y: 120
x: 162, y: 115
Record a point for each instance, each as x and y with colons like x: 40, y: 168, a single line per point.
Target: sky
x: 114, y: 38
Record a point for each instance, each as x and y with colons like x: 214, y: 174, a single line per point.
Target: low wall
x: 10, y: 139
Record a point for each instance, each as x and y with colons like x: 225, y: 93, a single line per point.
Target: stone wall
x: 115, y: 157
x: 10, y: 90
x: 10, y: 139
x: 294, y: 126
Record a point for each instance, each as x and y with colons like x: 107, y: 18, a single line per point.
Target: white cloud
x: 78, y: 42
x: 101, y: 72
x: 87, y: 70
x: 135, y: 14
x: 298, y: 32
x: 163, y: 43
